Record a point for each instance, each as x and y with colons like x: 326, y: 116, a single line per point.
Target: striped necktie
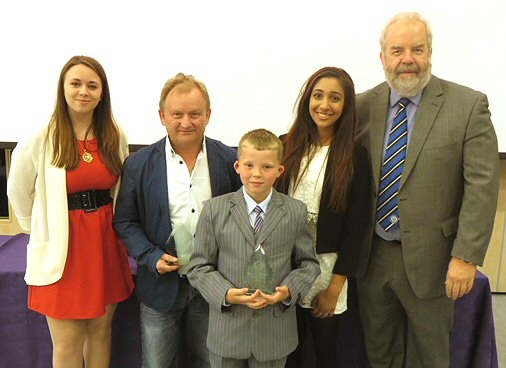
x: 387, y: 211
x: 259, y: 220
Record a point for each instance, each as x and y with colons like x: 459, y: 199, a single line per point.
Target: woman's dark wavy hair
x: 303, y: 137
x: 61, y: 131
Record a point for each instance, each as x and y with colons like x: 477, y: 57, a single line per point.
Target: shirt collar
x: 251, y: 204
x: 394, y: 98
x: 170, y: 150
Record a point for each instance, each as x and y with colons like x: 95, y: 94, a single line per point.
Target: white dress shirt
x: 186, y: 191
x: 251, y: 204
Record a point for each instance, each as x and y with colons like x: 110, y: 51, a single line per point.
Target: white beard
x: 411, y: 87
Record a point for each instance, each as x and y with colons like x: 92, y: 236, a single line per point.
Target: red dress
x: 97, y: 272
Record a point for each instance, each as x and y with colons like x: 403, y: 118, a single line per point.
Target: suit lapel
x: 159, y: 180
x: 240, y: 215
x: 430, y: 104
x: 275, y: 213
x: 217, y: 169
x: 214, y: 166
x: 379, y: 111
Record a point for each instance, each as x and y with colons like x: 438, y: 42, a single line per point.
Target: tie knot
x: 404, y: 101
x: 257, y: 210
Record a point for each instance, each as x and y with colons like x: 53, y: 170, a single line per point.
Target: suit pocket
x: 437, y: 145
x: 279, y: 309
x: 450, y: 226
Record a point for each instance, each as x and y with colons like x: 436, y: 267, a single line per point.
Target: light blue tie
x: 259, y: 220
x: 387, y: 211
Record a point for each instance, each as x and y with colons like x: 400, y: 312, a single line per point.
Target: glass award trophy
x: 183, y: 242
x: 258, y: 272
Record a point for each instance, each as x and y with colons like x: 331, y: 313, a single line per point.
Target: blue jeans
x: 162, y: 333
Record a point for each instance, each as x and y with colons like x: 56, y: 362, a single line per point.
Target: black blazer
x: 345, y: 231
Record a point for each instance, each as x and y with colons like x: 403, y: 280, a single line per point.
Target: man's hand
x: 166, y: 264
x: 459, y: 278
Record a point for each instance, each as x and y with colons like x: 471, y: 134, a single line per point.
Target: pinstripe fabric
x: 224, y: 242
x: 222, y: 362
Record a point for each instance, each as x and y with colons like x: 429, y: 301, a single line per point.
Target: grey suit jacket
x: 449, y: 187
x: 225, y: 241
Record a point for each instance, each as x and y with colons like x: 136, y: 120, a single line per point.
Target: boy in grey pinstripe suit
x: 257, y: 330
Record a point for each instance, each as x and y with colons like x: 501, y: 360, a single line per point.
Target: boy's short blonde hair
x: 261, y: 140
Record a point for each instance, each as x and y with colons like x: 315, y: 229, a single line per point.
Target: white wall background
x: 253, y: 56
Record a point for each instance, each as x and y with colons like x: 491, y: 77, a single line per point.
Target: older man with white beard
x: 435, y: 170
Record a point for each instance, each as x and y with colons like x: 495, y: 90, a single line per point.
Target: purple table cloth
x: 25, y: 341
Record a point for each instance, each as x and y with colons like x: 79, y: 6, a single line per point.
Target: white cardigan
x: 37, y: 191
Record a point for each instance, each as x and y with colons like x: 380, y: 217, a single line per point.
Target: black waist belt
x: 89, y: 200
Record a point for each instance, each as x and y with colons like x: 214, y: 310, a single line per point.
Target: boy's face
x: 258, y: 170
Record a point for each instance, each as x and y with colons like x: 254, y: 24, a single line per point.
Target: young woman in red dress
x: 62, y: 184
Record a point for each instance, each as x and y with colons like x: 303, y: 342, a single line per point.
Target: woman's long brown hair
x: 61, y: 132
x: 303, y: 137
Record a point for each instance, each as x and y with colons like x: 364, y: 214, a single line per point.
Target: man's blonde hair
x: 185, y: 83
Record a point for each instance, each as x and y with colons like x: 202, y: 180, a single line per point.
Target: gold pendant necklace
x: 87, y: 157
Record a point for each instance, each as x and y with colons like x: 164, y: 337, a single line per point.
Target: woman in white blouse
x: 330, y: 172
